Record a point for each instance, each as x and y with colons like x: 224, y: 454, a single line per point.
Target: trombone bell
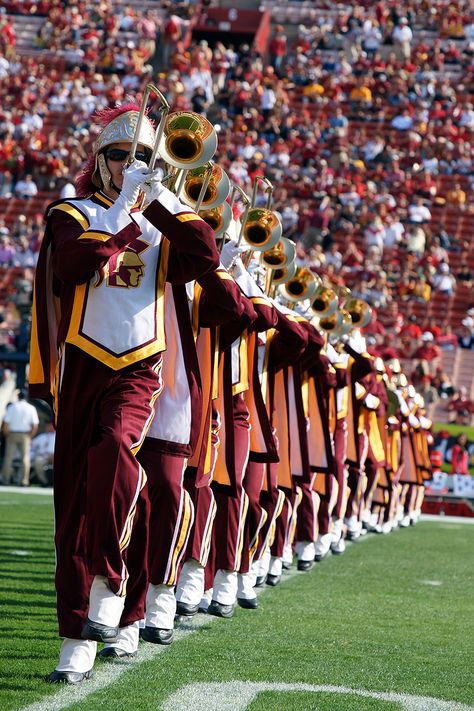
x: 216, y: 192
x: 359, y: 311
x: 218, y: 218
x: 280, y: 256
x: 325, y: 302
x: 262, y: 229
x: 282, y: 275
x: 302, y: 286
x: 188, y: 141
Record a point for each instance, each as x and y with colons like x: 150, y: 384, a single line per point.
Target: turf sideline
x: 238, y: 695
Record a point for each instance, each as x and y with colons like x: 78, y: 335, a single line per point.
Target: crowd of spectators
x: 364, y: 123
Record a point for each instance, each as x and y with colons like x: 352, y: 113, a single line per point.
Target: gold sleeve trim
x: 188, y: 217
x: 75, y: 213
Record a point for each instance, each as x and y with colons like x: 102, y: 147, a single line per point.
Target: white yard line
x: 46, y: 491
x: 238, y: 695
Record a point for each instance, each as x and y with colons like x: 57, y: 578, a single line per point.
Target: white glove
x: 133, y: 179
x: 153, y: 187
x: 230, y: 253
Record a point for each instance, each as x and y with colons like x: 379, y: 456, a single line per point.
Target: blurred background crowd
x: 361, y: 114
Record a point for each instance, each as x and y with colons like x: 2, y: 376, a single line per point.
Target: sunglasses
x: 118, y: 155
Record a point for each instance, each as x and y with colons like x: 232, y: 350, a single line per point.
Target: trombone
x: 262, y: 227
x: 184, y: 140
x: 301, y: 286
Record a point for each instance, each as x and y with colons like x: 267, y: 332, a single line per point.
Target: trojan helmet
x: 119, y: 126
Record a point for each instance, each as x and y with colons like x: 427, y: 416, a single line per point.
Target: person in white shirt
x: 26, y: 188
x: 402, y: 37
x: 394, y: 231
x: 418, y: 213
x: 41, y: 453
x: 20, y: 424
x: 402, y: 122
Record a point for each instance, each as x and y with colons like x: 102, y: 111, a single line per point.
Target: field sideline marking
x: 238, y: 695
x: 48, y: 491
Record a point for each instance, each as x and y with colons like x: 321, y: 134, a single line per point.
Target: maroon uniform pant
x: 232, y: 506
x: 325, y: 506
x: 204, y: 514
x: 256, y: 514
x: 356, y: 480
x: 171, y: 513
x: 307, y: 520
x: 340, y: 471
x: 99, y: 485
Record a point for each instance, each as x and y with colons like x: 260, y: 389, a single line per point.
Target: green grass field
x: 394, y: 614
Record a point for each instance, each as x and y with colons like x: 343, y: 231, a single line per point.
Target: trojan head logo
x: 125, y: 269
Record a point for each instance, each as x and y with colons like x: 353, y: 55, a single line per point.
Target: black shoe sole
x: 71, y: 678
x: 154, y: 635
x: 247, y: 604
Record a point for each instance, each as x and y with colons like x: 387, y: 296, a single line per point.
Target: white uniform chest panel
x: 172, y: 420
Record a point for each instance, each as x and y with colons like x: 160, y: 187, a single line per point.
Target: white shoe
x: 354, y: 527
x: 206, y: 600
x: 77, y: 655
x: 105, y: 607
x: 225, y: 587
x: 190, y: 587
x: 160, y: 606
x: 276, y: 566
x: 339, y: 547
x: 337, y: 530
x: 127, y: 640
x: 386, y: 527
x: 305, y: 550
x: 322, y: 546
x: 245, y: 586
x: 405, y: 522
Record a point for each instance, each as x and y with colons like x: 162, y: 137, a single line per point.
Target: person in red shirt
x: 413, y: 330
x: 277, y: 49
x: 460, y: 456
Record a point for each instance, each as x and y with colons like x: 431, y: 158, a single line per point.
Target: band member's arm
x: 288, y: 343
x: 77, y: 249
x: 193, y: 244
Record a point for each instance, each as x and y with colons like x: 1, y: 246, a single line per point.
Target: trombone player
x: 96, y: 345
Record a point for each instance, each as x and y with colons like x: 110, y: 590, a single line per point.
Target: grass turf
x: 392, y: 614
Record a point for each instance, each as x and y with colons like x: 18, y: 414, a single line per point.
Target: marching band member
x: 234, y: 450
x: 96, y: 344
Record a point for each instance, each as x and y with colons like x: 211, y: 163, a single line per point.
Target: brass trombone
x: 216, y: 191
x: 262, y: 228
x: 324, y: 302
x: 359, y: 311
x: 184, y: 139
x: 301, y: 286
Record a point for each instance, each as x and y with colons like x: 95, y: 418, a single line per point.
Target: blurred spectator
x: 460, y: 456
x: 19, y: 426
x: 26, y: 188
x: 41, y: 453
x: 444, y: 282
x: 402, y: 37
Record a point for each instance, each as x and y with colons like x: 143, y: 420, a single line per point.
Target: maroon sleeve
x: 313, y: 349
x: 287, y: 344
x: 362, y: 365
x: 221, y: 299
x: 266, y: 314
x: 75, y: 260
x: 193, y: 249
